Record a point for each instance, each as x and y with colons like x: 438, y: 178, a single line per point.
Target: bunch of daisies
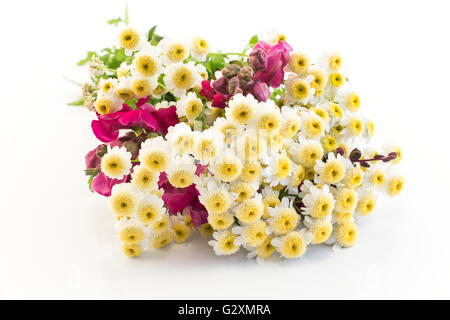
x: 263, y: 150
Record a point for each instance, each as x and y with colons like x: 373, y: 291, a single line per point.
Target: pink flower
x: 276, y: 59
x: 198, y: 213
x: 107, y: 127
x: 260, y: 91
x: 91, y: 159
x: 103, y: 185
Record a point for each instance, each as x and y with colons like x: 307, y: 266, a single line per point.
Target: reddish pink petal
x: 103, y: 131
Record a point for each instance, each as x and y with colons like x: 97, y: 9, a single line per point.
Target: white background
x: 57, y: 239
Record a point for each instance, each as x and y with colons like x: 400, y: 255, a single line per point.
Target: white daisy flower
x: 107, y: 85
x: 224, y: 243
x: 214, y: 195
x: 250, y: 146
x: 279, y: 168
x: 189, y: 106
x: 142, y: 86
x: 306, y: 152
x: 311, y: 125
x: 318, y: 202
x: 181, y: 77
x: 208, y: 145
x: 252, y: 234
x: 124, y: 70
x: 332, y: 171
x: 131, y: 40
x: 263, y: 251
x: 291, y: 122
x: 155, y: 154
x: 181, y: 138
x: 174, y: 51
x: 292, y: 245
x: 229, y: 129
x: 241, y: 109
x: 283, y: 217
x: 125, y: 199
x: 274, y: 36
x: 199, y: 48
x: 181, y: 172
x: 299, y: 90
x: 227, y: 167
x: 147, y: 62
x: 349, y: 100
x: 108, y: 102
x: 144, y: 179
x: 367, y: 201
x: 268, y: 117
x: 330, y: 61
x: 353, y: 127
x: 131, y: 230
x: 150, y: 209
x: 116, y: 163
x: 123, y: 89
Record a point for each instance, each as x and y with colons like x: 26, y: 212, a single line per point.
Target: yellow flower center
x: 299, y: 89
x: 320, y: 79
x: 183, y: 78
x: 353, y: 102
x: 156, y: 161
x: 103, y: 106
x: 129, y: 38
x: 333, y: 171
x: 148, y: 214
x: 141, y: 88
x: 217, y: 202
x: 131, y: 234
x: 336, y: 79
x: 181, y: 179
x: 146, y: 65
x: 177, y: 52
x: 292, y: 245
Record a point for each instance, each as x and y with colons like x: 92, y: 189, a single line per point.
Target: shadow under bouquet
x: 263, y: 150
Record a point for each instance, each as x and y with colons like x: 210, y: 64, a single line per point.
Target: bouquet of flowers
x: 263, y: 150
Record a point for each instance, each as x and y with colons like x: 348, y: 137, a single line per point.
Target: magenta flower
x: 103, y: 184
x: 218, y: 100
x: 260, y: 91
x: 91, y: 159
x: 276, y: 58
x: 107, y: 127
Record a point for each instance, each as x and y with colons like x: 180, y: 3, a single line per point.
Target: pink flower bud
x: 260, y: 91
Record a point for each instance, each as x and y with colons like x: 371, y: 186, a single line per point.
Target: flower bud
x: 233, y: 86
x: 245, y: 74
x: 230, y: 71
x: 221, y: 85
x: 340, y: 151
x: 260, y: 91
x: 393, y: 155
x: 257, y: 59
x: 355, y: 155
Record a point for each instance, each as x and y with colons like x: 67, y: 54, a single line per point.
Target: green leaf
x: 253, y: 41
x: 152, y: 37
x: 78, y: 102
x: 151, y: 32
x: 115, y: 21
x: 91, y: 178
x: 89, y: 56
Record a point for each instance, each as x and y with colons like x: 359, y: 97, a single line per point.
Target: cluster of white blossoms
x: 155, y: 70
x: 275, y: 175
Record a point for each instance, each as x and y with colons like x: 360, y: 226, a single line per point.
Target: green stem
x: 126, y: 14
x: 73, y: 81
x: 241, y: 54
